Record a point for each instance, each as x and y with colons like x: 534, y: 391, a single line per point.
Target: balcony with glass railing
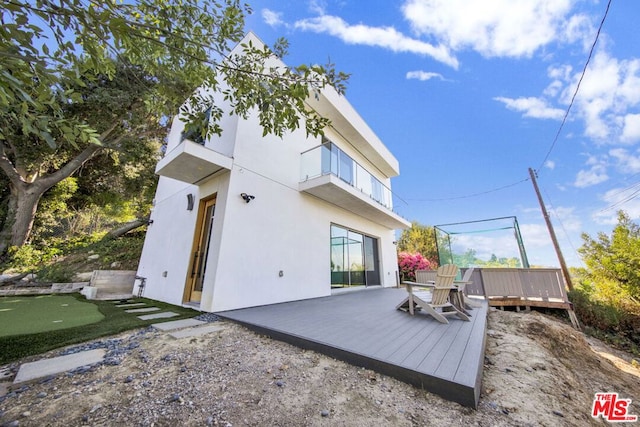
x: 329, y: 173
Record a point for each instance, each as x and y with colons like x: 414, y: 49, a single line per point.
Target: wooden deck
x: 364, y: 328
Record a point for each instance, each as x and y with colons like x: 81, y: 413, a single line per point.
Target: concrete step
x: 162, y: 315
x: 196, y: 331
x: 68, y: 287
x: 57, y: 365
x: 178, y: 324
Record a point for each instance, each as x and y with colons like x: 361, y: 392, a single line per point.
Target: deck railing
x: 518, y: 287
x: 535, y: 284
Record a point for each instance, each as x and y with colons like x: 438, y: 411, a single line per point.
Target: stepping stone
x: 131, y: 304
x: 142, y: 310
x: 178, y: 324
x: 195, y: 332
x: 163, y: 315
x: 56, y: 365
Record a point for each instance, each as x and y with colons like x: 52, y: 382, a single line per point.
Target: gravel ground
x: 538, y: 371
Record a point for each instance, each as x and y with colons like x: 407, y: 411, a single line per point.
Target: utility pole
x: 545, y: 214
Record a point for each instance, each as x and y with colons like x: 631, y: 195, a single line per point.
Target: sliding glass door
x: 354, y: 258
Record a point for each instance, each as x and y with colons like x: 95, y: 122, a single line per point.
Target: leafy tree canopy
x: 188, y: 40
x: 419, y: 239
x: 613, y: 262
x: 62, y: 60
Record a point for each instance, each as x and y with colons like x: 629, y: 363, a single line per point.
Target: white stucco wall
x: 169, y: 240
x: 282, y: 229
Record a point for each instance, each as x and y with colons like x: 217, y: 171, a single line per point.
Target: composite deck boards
x: 365, y: 329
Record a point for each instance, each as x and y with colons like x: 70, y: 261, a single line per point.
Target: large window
x: 195, y: 131
x: 354, y: 258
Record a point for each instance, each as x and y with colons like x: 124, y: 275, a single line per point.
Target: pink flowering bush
x: 408, y: 263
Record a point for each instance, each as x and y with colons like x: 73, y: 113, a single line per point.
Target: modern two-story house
x: 243, y: 219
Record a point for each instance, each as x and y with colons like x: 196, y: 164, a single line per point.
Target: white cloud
x: 384, y: 37
x: 626, y: 162
x: 532, y: 107
x: 550, y: 164
x: 499, y: 244
x: 535, y: 235
x: 423, y: 75
x: 567, y: 217
x: 608, y: 98
x: 608, y: 102
x: 272, y: 18
x: 631, y: 129
x: 499, y: 28
x: 592, y: 176
x: 317, y: 6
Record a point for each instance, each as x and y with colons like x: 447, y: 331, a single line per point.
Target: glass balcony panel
x: 364, y: 181
x: 345, y: 168
x: 329, y: 159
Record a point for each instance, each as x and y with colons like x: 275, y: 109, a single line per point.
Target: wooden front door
x: 200, y: 251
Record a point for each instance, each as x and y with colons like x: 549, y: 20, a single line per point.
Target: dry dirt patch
x: 538, y: 371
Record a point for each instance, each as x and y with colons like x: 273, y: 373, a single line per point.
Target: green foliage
x: 419, y: 239
x: 59, y: 258
x: 55, y: 273
x: 607, y: 294
x: 92, y: 84
x: 618, y: 324
x: 27, y: 258
x: 470, y: 259
x: 180, y: 40
x: 613, y: 262
x: 502, y: 262
x: 125, y: 249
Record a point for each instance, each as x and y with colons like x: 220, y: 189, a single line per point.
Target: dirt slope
x: 538, y: 371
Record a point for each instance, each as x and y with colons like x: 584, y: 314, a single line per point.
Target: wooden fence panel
x: 476, y: 287
x: 501, y: 282
x: 545, y: 284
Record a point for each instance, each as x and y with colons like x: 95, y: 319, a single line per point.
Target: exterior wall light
x: 247, y: 197
x: 189, y: 202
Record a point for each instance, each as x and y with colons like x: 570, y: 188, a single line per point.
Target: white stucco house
x: 243, y: 220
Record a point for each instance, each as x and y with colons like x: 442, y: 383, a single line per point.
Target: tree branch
x: 70, y: 167
x: 8, y: 168
x: 124, y: 229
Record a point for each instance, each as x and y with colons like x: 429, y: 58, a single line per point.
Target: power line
x: 633, y: 195
x: 557, y: 136
x: 566, y: 233
x: 575, y: 93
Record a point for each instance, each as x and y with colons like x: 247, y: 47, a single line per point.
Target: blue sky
x: 468, y: 95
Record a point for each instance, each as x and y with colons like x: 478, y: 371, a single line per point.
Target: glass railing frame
x: 385, y: 198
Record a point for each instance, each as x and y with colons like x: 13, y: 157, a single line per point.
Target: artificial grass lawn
x: 28, y: 314
x: 114, y: 320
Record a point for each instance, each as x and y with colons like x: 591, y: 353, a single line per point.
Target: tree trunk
x: 7, y: 224
x: 132, y: 225
x: 27, y: 205
x: 23, y: 204
x: 25, y: 196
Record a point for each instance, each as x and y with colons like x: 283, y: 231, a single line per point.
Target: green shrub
x: 29, y: 257
x: 55, y: 273
x: 613, y: 321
